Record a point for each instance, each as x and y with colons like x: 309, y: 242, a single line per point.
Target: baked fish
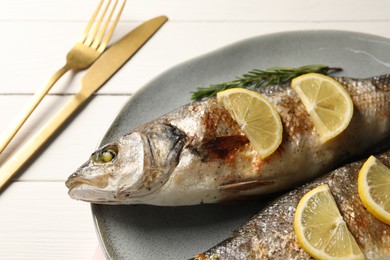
x: 270, y: 234
x: 198, y: 154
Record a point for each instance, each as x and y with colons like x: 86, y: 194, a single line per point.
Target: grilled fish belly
x: 198, y: 154
x: 270, y: 234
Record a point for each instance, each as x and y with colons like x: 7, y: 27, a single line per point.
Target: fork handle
x: 31, y: 107
x: 27, y: 151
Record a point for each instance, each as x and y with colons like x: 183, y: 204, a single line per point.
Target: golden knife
x: 102, y: 70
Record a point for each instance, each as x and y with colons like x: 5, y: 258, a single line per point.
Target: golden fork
x: 94, y: 41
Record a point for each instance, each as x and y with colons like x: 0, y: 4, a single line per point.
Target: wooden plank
x: 26, y: 71
x: 39, y: 221
x: 204, y: 10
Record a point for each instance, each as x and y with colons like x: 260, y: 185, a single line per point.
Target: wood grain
x: 38, y: 220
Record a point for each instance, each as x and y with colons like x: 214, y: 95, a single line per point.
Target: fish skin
x: 198, y: 154
x: 270, y: 234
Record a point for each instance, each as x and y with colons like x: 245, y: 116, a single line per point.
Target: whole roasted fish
x: 270, y: 234
x: 198, y: 154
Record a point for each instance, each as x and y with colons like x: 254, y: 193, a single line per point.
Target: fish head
x: 110, y: 171
x: 131, y: 169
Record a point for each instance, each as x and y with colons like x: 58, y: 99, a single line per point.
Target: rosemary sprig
x: 261, y: 78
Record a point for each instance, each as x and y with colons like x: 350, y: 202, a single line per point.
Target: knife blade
x: 98, y: 74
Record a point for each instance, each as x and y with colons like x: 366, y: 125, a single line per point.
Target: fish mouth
x: 75, y: 181
x: 91, y: 189
x: 92, y: 195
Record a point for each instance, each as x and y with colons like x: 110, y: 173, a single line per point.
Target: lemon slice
x: 320, y: 228
x: 256, y: 116
x: 327, y: 102
x: 374, y: 188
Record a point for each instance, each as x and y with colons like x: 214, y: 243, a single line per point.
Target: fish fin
x: 245, y: 185
x: 222, y: 147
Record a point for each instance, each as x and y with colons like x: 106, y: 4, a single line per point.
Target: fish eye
x: 105, y: 155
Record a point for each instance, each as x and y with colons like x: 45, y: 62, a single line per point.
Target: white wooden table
x: 37, y: 218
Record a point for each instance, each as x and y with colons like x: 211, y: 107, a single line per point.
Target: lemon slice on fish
x: 257, y: 117
x: 374, y: 188
x: 320, y: 228
x: 327, y: 102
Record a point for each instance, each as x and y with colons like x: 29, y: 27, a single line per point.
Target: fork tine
x: 96, y: 41
x: 91, y: 21
x: 91, y: 35
x: 111, y: 30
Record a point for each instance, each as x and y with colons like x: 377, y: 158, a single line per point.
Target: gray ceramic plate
x: 149, y: 232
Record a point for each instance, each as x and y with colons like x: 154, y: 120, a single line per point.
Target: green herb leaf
x: 261, y: 78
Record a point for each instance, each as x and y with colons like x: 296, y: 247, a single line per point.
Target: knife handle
x: 26, y: 152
